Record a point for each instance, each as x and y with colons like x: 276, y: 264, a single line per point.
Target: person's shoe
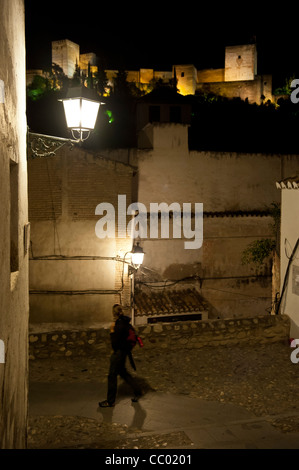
x: 106, y: 404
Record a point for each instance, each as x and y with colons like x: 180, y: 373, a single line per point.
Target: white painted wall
x: 14, y: 306
x: 289, y: 237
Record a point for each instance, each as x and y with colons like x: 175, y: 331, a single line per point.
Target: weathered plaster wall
x: 233, y: 189
x: 223, y: 181
x: 231, y: 289
x: 13, y: 218
x: 74, y: 275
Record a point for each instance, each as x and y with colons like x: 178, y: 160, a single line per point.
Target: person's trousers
x: 117, y: 367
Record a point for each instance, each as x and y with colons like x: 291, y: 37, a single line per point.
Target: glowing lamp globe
x: 81, y: 107
x: 137, y: 255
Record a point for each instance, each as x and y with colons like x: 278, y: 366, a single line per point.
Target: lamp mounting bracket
x: 40, y: 145
x: 132, y: 270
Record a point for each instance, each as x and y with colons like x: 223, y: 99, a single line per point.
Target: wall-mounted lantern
x: 81, y: 106
x: 137, y: 255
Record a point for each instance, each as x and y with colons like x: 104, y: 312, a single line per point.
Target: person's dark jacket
x: 120, y: 334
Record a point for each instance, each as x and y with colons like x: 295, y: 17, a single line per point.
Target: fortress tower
x: 186, y: 78
x: 66, y: 54
x: 240, y: 63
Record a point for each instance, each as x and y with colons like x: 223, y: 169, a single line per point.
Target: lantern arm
x: 40, y: 145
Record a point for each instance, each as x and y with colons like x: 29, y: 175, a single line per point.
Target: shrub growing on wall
x: 259, y: 250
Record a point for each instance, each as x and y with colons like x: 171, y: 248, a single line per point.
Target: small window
x: 182, y: 74
x: 154, y: 113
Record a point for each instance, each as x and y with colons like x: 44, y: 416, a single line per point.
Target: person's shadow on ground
x: 124, y: 390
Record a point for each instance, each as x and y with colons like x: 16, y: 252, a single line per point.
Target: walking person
x: 121, y: 349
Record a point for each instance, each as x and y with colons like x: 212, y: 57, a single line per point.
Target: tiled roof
x: 168, y: 302
x: 288, y: 183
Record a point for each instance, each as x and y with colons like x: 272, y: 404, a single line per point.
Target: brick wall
x: 45, y: 183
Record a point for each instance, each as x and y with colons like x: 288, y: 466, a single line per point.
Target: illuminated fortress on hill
x: 238, y: 78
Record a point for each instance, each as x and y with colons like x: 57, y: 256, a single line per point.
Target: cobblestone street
x: 259, y: 378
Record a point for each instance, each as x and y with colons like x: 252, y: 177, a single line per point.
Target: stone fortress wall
x: 238, y: 78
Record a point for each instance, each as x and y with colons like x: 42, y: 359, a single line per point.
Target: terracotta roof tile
x: 288, y: 183
x: 168, y: 302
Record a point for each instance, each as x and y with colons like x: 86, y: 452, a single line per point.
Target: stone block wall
x: 240, y: 62
x: 245, y: 89
x: 179, y: 335
x: 210, y: 75
x: 66, y: 54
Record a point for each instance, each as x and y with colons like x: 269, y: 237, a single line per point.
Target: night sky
x: 160, y: 34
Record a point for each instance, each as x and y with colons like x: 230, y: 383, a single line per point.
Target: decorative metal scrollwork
x: 45, y: 146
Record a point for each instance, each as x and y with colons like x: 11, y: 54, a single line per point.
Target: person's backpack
x: 133, y: 338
